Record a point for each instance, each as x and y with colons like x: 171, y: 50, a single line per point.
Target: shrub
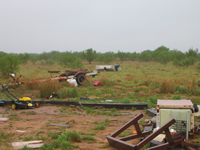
x: 125, y: 100
x: 153, y: 99
x: 176, y: 89
x: 56, y: 144
x: 137, y: 89
x: 176, y: 97
x: 184, y: 90
x: 88, y: 138
x: 100, y: 127
x: 50, y: 62
x: 133, y: 108
x: 197, y: 92
x: 54, y: 135
x: 70, y: 136
x: 9, y: 64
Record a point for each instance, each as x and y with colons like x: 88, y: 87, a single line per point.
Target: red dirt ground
x: 44, y: 115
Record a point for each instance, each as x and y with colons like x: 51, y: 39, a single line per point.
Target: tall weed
x: 106, y: 82
x: 47, y: 88
x: 67, y: 92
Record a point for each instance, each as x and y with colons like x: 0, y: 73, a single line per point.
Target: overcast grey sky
x: 36, y: 26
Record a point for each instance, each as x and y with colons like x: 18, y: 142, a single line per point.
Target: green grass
x: 88, y: 138
x: 30, y: 113
x: 54, y: 135
x: 63, y: 141
x: 13, y: 116
x: 146, y: 77
x: 100, y: 127
x: 104, y: 146
x: 29, y: 138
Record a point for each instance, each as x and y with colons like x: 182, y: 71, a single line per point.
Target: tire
x: 13, y: 106
x: 37, y: 105
x: 80, y: 78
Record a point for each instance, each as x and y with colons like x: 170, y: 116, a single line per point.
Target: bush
x: 176, y: 97
x: 125, y: 100
x: 70, y: 136
x: 153, y: 99
x: 50, y: 62
x: 137, y: 89
x: 54, y: 135
x: 176, y: 89
x: 197, y: 92
x: 184, y: 90
x: 9, y: 64
x: 100, y: 127
x: 88, y: 138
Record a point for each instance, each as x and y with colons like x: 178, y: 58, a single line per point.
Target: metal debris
x: 60, y: 125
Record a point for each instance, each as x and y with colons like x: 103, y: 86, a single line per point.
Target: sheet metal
x: 174, y: 104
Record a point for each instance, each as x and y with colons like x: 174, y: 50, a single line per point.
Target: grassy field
x: 136, y: 82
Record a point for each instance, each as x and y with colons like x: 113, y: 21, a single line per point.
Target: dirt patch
x: 35, y: 121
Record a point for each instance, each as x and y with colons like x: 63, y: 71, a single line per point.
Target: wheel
x: 37, y: 105
x: 80, y: 78
x: 13, y: 106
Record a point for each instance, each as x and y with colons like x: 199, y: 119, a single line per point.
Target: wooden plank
x: 20, y: 145
x: 4, y: 119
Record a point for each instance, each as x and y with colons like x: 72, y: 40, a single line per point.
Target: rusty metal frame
x: 120, y: 143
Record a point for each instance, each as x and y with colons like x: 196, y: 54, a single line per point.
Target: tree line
x: 10, y: 61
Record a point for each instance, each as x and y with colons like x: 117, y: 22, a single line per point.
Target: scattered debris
x: 59, y: 132
x: 114, y: 105
x: 28, y: 144
x: 72, y: 121
x: 197, y: 113
x: 181, y: 110
x: 19, y: 131
x: 60, y: 125
x: 84, y: 98
x: 54, y: 95
x: 72, y: 82
x: 108, y: 67
x: 79, y: 75
x: 120, y: 143
x: 196, y: 108
x: 72, y: 106
x: 151, y: 112
x: 109, y: 100
x: 4, y: 119
x: 2, y: 102
x: 97, y: 83
x: 24, y: 102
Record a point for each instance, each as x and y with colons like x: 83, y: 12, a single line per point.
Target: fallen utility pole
x: 76, y: 103
x: 114, y: 105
